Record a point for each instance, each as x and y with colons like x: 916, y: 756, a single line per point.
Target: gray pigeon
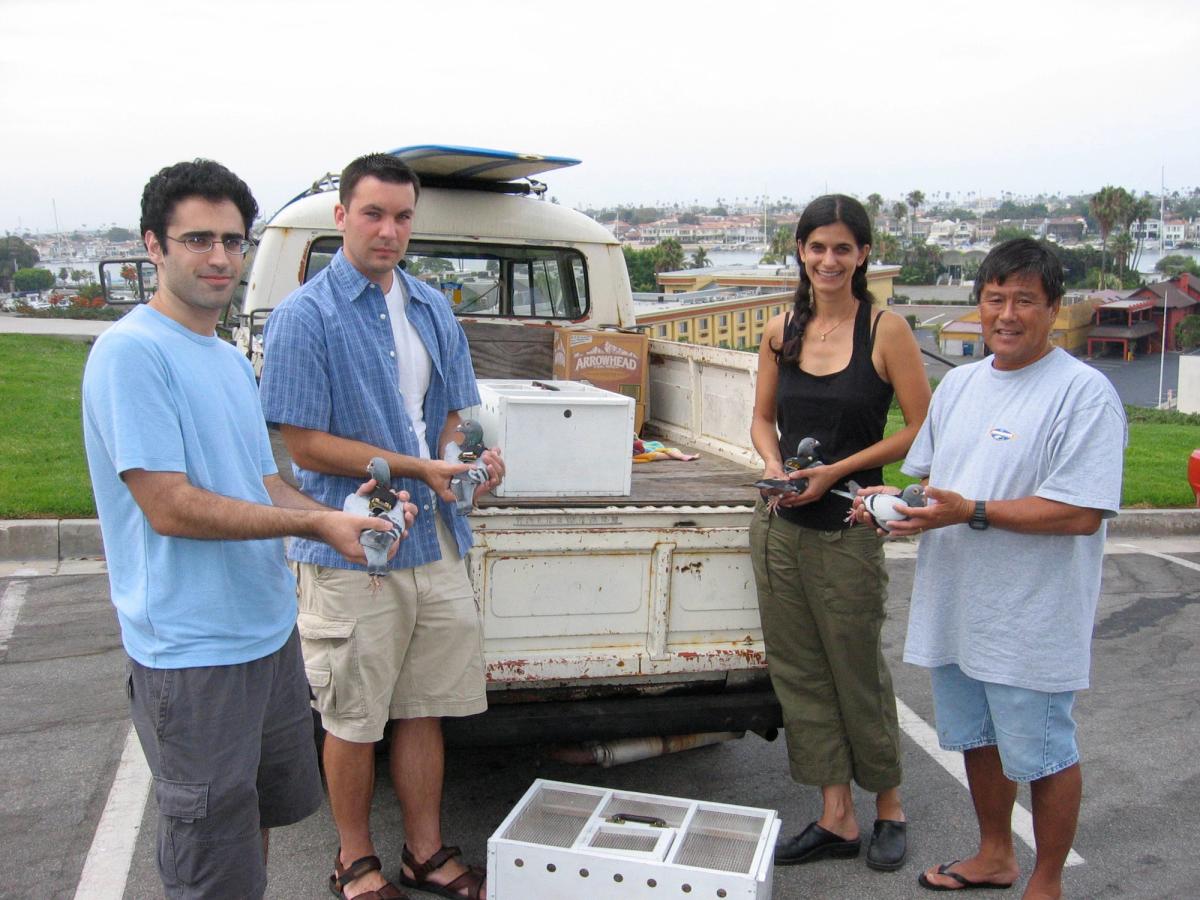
x: 808, y: 454
x: 469, y: 451
x: 471, y: 447
x: 382, y: 504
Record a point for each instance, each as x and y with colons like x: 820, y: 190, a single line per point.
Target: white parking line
x: 106, y: 868
x: 10, y: 609
x: 952, y: 761
x: 1186, y: 563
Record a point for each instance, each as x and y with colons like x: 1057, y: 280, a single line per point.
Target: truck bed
x: 707, y: 481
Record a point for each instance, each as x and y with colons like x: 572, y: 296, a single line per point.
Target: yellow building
x: 736, y: 323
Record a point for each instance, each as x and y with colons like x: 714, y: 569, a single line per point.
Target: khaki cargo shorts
x: 412, y: 650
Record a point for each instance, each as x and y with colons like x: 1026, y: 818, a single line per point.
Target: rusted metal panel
x: 582, y: 667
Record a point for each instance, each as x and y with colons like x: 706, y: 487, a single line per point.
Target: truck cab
x: 496, y: 248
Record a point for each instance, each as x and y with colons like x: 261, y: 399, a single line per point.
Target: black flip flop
x: 964, y: 884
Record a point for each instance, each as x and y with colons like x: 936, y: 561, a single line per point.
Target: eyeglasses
x: 202, y: 243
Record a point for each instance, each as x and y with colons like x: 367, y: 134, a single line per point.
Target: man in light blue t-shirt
x: 1022, y: 454
x: 192, y: 510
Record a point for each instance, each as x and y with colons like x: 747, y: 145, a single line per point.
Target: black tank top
x: 846, y: 411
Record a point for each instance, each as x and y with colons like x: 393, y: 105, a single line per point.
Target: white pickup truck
x: 603, y: 617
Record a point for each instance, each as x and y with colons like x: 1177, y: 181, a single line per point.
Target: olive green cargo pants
x: 821, y: 595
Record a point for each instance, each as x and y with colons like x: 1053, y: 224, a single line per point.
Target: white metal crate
x: 570, y: 840
x: 559, y: 438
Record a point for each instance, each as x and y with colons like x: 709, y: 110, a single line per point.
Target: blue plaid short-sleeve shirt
x: 329, y: 365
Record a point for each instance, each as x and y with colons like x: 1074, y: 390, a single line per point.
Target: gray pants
x: 821, y: 596
x: 231, y: 750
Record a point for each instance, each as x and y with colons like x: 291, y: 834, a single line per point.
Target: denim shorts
x: 1033, y: 730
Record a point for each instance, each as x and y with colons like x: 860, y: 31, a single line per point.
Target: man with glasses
x: 191, y: 509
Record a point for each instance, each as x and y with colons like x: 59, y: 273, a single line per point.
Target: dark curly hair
x: 198, y: 178
x: 823, y: 211
x: 384, y: 166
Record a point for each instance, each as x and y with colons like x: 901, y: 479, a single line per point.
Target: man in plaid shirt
x: 364, y: 360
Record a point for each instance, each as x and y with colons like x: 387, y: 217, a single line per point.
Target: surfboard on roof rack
x: 477, y: 163
x: 466, y: 168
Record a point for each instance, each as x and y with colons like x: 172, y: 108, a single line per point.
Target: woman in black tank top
x: 827, y: 370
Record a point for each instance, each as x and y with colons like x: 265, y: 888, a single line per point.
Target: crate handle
x: 622, y: 818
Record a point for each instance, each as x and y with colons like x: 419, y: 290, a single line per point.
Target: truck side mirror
x: 138, y: 276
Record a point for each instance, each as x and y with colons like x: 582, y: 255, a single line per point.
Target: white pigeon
x: 882, y: 507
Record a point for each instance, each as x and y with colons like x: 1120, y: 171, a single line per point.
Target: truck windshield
x: 489, y: 279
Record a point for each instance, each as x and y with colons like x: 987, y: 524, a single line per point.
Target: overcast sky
x: 663, y: 101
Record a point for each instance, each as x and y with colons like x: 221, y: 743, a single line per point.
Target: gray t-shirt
x: 1005, y: 607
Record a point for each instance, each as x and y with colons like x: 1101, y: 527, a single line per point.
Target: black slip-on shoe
x: 812, y: 844
x: 889, y: 845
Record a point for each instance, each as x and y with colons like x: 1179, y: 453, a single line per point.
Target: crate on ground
x: 571, y: 840
x: 559, y: 438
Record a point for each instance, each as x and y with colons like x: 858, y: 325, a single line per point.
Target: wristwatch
x: 978, y: 519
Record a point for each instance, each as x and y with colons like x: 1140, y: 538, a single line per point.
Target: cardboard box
x: 613, y: 360
x: 559, y: 438
x: 571, y: 840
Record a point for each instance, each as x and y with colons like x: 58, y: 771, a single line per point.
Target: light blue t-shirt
x: 1012, y: 608
x: 157, y: 396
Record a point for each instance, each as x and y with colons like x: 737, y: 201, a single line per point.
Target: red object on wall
x: 1194, y: 474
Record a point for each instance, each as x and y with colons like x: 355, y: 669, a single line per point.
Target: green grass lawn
x: 41, y: 433
x: 43, y: 473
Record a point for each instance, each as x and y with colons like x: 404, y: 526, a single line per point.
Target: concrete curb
x: 54, y: 539
x: 61, y: 539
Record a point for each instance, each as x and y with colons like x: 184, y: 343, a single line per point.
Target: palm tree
x: 1123, y: 248
x: 886, y: 249
x: 874, y: 205
x: 668, y: 256
x: 1105, y: 207
x: 700, y: 259
x: 1139, y: 210
x: 783, y: 242
x: 915, y: 199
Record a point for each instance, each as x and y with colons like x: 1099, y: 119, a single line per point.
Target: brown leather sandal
x: 467, y: 886
x: 357, y: 869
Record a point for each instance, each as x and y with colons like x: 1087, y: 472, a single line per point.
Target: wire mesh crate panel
x: 726, y: 841
x: 671, y: 813
x: 554, y: 817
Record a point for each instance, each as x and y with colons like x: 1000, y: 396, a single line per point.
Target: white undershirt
x: 413, y: 364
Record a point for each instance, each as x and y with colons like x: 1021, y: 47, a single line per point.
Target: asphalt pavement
x: 64, y: 726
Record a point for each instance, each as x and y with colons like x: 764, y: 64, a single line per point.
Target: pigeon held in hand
x: 470, y: 450
x: 381, y: 503
x: 882, y: 507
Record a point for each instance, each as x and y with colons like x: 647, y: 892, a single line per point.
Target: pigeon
x: 472, y: 446
x: 381, y: 503
x: 808, y: 454
x: 882, y: 507
x: 469, y: 451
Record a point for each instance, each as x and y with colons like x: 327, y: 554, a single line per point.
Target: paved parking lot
x: 64, y: 726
